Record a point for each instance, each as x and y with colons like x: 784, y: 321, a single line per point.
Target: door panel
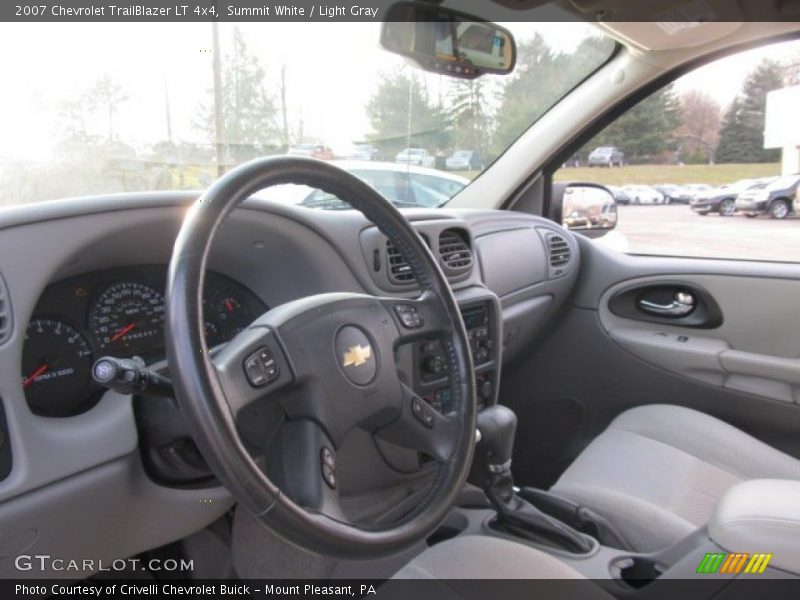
x: 754, y: 347
x: 595, y: 364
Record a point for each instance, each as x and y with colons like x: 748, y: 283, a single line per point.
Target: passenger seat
x: 657, y: 472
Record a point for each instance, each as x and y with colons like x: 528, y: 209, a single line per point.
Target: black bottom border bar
x: 718, y: 588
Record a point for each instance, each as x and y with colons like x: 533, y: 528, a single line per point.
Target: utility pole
x: 219, y: 122
x: 284, y: 110
x: 167, y: 108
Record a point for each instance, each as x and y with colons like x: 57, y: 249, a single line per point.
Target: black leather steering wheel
x: 327, y: 362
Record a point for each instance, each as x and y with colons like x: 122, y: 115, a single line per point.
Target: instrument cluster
x: 117, y: 312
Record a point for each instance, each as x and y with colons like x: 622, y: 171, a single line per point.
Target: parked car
x: 775, y: 199
x: 644, y: 194
x: 693, y: 189
x: 319, y: 151
x: 796, y: 202
x: 577, y: 218
x: 621, y: 196
x: 722, y: 200
x: 606, y: 156
x: 363, y: 152
x: 464, y: 160
x: 403, y: 185
x: 416, y: 156
x: 674, y: 194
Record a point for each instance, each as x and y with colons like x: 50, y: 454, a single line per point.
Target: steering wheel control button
x: 409, y: 316
x: 356, y: 355
x: 422, y: 412
x: 328, y: 464
x: 261, y: 368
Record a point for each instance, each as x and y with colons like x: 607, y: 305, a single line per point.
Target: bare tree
x: 73, y: 116
x: 107, y: 95
x: 701, y: 116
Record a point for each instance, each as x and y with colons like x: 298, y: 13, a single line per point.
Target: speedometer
x: 128, y: 319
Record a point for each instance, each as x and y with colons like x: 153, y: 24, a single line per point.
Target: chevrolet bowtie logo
x: 356, y: 356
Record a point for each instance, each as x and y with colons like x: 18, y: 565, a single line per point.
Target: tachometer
x: 128, y: 319
x: 56, y: 367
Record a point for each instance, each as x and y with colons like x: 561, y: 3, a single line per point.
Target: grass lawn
x: 653, y: 174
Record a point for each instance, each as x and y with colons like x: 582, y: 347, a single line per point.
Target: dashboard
x: 113, y: 312
x: 92, y: 284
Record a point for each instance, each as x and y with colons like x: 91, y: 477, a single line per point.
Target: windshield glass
x: 783, y: 182
x: 112, y: 112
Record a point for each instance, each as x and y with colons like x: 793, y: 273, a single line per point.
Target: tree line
x: 406, y: 109
x: 690, y: 127
x: 485, y: 114
x: 693, y: 128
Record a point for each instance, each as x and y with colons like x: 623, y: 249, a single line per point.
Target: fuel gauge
x: 226, y: 315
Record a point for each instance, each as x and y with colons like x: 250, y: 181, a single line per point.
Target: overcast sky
x: 331, y: 72
x: 723, y: 79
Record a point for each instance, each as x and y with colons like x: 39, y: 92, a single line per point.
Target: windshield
x: 783, y: 183
x: 112, y: 112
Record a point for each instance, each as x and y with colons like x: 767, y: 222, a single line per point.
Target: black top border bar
x: 154, y: 11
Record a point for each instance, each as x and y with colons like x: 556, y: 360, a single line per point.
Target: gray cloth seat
x: 657, y: 472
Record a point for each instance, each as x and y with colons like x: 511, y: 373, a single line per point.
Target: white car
x: 363, y: 152
x: 644, y: 194
x: 403, y: 185
x: 416, y: 156
x: 464, y: 160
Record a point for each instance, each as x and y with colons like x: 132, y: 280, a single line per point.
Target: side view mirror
x: 586, y: 206
x: 447, y: 42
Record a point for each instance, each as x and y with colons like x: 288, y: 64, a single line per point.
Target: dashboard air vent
x: 454, y: 251
x: 399, y: 270
x: 558, y: 250
x: 5, y: 312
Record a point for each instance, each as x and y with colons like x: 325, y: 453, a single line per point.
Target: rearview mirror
x: 588, y: 206
x: 448, y: 42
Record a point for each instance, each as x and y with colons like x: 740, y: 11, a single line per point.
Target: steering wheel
x: 326, y: 363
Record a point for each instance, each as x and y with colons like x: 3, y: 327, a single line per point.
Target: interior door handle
x: 667, y: 301
x: 682, y: 305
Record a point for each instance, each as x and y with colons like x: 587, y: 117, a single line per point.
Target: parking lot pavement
x: 677, y: 231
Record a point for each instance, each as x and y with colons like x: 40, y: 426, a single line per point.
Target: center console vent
x: 5, y: 312
x: 449, y: 241
x: 454, y: 252
x: 398, y: 268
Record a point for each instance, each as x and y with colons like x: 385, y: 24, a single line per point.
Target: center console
x: 752, y: 534
x: 430, y: 371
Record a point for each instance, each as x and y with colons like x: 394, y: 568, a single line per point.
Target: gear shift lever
x: 491, y: 470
